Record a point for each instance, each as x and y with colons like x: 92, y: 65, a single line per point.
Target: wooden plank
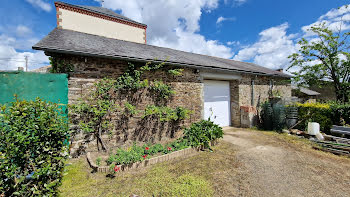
x: 334, y: 151
x: 342, y: 132
x: 338, y: 139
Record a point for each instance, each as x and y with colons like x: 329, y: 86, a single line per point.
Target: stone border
x: 142, y: 164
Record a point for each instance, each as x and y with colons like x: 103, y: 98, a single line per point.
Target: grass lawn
x: 204, y: 174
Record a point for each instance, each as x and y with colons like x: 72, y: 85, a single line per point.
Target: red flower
x: 169, y: 148
x: 147, y: 148
x: 116, y: 168
x: 144, y: 156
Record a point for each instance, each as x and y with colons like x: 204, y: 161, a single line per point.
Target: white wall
x: 93, y: 25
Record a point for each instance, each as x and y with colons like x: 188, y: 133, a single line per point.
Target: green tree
x: 325, y: 58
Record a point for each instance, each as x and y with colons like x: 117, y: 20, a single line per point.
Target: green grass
x: 204, y: 174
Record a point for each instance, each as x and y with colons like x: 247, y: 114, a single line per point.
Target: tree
x: 324, y: 58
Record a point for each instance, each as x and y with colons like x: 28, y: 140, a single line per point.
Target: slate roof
x: 72, y: 42
x: 103, y: 11
x: 306, y: 91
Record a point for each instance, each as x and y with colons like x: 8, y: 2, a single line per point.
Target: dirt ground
x: 244, y: 163
x: 274, y: 165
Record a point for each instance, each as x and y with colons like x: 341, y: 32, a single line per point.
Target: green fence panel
x: 28, y: 86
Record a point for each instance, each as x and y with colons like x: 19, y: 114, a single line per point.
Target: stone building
x: 228, y: 91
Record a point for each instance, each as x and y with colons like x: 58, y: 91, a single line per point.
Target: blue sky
x: 260, y: 31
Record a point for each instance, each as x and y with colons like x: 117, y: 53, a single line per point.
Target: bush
x: 33, y: 148
x: 314, y: 112
x: 202, y: 132
x: 340, y: 114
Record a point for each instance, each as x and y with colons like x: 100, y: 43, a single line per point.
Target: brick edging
x: 141, y: 164
x: 147, y: 162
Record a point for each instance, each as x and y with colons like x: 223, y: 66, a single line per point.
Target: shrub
x: 314, y: 112
x: 33, y: 148
x: 340, y: 113
x: 202, y: 132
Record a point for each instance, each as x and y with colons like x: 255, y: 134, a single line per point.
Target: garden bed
x: 147, y: 162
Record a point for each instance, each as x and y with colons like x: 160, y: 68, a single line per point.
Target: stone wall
x: 87, y: 70
x: 241, y: 93
x: 189, y: 94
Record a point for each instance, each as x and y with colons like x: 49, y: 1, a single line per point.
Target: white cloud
x: 271, y: 50
x: 195, y: 43
x: 23, y: 31
x: 179, y: 29
x: 235, y: 2
x: 222, y: 19
x: 233, y: 43
x: 275, y: 45
x: 11, y: 58
x: 40, y: 4
x: 333, y: 19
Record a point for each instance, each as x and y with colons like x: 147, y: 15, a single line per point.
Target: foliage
x: 324, y: 114
x: 176, y: 71
x: 95, y: 108
x: 130, y: 109
x: 149, y: 66
x: 131, y: 79
x: 59, y: 65
x: 161, y: 89
x: 33, y: 148
x: 314, y: 112
x: 202, y: 132
x: 166, y: 113
x: 98, y: 161
x: 138, y: 153
x: 340, y: 113
x: 325, y: 58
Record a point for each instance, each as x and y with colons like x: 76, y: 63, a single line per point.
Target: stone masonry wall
x: 189, y: 94
x: 241, y: 93
x: 87, y: 70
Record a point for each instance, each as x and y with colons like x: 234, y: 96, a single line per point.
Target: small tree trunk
x: 99, y: 140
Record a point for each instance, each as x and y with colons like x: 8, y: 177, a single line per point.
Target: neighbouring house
x: 99, y: 43
x: 304, y: 94
x: 44, y: 69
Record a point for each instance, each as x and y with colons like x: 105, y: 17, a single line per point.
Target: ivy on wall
x: 95, y: 109
x: 59, y: 65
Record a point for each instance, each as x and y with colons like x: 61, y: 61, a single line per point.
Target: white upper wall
x: 80, y: 22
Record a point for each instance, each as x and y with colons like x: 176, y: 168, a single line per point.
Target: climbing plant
x: 165, y: 113
x: 59, y: 65
x: 94, y: 110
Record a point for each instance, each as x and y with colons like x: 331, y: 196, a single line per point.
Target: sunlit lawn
x: 204, y: 174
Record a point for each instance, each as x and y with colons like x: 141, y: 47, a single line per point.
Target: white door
x: 217, y: 101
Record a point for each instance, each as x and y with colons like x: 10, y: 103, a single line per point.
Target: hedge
x: 33, y: 148
x: 326, y: 114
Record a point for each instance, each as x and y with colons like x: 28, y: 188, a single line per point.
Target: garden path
x: 273, y: 167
